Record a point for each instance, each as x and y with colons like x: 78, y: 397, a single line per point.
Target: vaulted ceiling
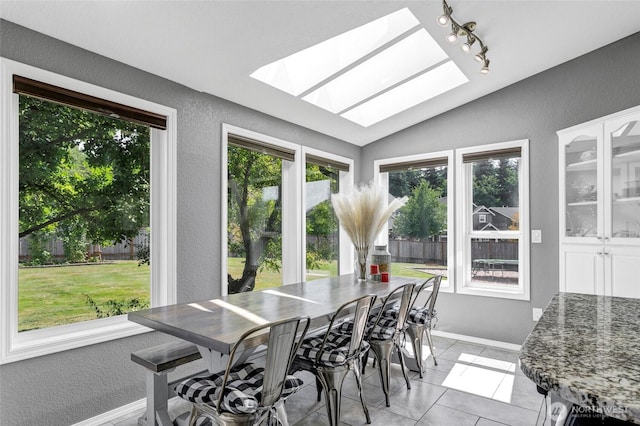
x: 214, y: 46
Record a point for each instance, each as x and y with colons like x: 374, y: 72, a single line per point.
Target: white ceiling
x: 213, y: 46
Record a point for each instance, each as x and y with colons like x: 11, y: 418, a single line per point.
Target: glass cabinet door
x: 581, y: 185
x: 624, y: 137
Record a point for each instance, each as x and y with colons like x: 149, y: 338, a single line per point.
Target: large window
x: 418, y: 233
x: 323, y: 174
x: 271, y: 239
x: 79, y: 173
x: 493, y: 220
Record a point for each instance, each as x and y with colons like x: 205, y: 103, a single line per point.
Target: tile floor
x: 471, y: 385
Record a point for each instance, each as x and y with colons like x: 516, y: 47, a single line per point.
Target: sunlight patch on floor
x: 487, y: 377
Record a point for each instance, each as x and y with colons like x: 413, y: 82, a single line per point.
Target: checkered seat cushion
x: 383, y: 330
x: 242, y: 393
x: 421, y: 315
x: 392, y: 311
x: 416, y: 315
x: 336, y: 349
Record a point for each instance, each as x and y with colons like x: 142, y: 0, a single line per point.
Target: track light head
x: 480, y: 56
x: 466, y: 47
x: 485, y: 67
x: 442, y: 20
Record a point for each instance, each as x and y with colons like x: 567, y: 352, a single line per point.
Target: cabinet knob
x: 600, y: 253
x: 599, y: 237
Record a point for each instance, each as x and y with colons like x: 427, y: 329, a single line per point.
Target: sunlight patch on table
x: 291, y: 296
x: 240, y: 311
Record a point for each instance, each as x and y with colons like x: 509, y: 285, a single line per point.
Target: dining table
x: 215, y: 325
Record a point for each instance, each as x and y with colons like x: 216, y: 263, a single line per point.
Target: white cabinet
x: 600, y: 206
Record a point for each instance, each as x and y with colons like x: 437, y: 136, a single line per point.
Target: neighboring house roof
x: 507, y: 212
x: 483, y: 210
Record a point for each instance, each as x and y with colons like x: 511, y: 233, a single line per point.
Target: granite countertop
x: 586, y: 349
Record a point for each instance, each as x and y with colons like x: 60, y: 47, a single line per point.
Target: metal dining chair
x: 331, y: 355
x: 384, y: 334
x: 248, y: 394
x: 422, y: 319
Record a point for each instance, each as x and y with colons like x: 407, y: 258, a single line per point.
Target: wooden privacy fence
x: 125, y: 250
x: 436, y: 251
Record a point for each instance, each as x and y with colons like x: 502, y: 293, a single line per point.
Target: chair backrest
x: 427, y: 284
x: 359, y: 309
x: 404, y: 293
x: 285, y: 337
x: 431, y: 301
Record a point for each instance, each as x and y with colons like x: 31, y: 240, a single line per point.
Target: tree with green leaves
x: 254, y: 218
x: 423, y: 216
x: 82, y: 175
x: 402, y: 183
x: 495, y: 183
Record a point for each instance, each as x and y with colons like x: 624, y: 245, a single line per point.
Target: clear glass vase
x: 361, y: 265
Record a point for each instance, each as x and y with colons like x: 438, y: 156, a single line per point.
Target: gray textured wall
x: 68, y: 387
x: 594, y: 85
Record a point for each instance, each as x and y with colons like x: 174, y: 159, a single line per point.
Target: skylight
x: 301, y: 71
x: 415, y: 53
x: 415, y: 91
x: 369, y: 73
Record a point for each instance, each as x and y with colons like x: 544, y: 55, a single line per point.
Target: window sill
x: 498, y: 291
x: 35, y: 343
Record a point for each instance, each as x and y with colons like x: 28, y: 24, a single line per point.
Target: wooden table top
x: 218, y: 323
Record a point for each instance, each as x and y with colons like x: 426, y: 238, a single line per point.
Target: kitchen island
x: 585, y: 350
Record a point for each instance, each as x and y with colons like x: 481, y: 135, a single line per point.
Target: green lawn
x: 50, y: 296
x: 55, y: 295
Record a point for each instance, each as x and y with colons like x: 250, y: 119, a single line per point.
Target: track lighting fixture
x: 462, y: 30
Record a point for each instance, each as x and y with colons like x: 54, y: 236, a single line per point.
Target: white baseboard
x: 117, y: 413
x: 478, y: 340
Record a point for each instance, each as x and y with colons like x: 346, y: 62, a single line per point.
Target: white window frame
x: 346, y: 256
x: 382, y: 179
x: 464, y: 225
x: 482, y: 218
x: 18, y: 346
x: 292, y: 210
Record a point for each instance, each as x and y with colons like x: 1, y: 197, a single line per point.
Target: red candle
x: 385, y: 277
x: 374, y: 269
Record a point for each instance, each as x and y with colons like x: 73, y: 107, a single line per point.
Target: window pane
x: 254, y: 228
x: 494, y: 261
x: 495, y: 195
x: 625, y: 181
x: 321, y: 221
x: 418, y: 231
x: 83, y: 215
x: 581, y: 177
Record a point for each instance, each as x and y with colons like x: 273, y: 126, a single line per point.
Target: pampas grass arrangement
x: 363, y: 212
